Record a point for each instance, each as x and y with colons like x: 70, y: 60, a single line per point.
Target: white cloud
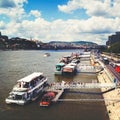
x: 20, y: 2
x: 2, y: 25
x: 35, y: 13
x: 95, y: 29
x: 93, y: 7
x: 71, y: 5
x: 16, y: 12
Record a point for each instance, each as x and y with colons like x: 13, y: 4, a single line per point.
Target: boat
x: 66, y: 59
x: 52, y: 94
x: 27, y: 89
x: 69, y: 69
x: 46, y: 54
x: 47, y: 98
x: 59, y: 67
x: 75, y: 61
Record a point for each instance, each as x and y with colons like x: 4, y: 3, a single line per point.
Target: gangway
x: 89, y: 100
x: 77, y: 85
x: 91, y: 93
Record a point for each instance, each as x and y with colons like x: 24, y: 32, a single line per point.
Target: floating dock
x: 59, y: 93
x: 59, y: 88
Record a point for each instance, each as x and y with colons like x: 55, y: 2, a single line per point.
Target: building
x: 113, y: 39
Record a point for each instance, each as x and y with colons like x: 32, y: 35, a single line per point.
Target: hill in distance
x: 74, y: 42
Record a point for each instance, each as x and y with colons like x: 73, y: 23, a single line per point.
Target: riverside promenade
x: 112, y: 107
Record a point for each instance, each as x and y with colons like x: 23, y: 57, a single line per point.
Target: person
x: 25, y: 96
x: 19, y: 84
x: 22, y: 84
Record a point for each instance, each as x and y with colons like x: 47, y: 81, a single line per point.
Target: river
x: 15, y: 65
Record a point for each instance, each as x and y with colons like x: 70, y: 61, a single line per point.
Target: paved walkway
x: 113, y: 107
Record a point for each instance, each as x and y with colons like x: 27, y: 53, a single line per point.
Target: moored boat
x: 59, y: 68
x: 52, y: 94
x: 69, y: 69
x: 46, y: 54
x: 27, y: 89
x: 66, y: 59
x: 47, y: 98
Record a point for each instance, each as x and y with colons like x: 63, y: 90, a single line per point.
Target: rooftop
x: 30, y: 77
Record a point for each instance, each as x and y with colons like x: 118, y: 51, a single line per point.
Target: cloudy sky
x: 65, y: 20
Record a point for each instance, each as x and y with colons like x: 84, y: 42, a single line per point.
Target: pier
x: 89, y: 100
x: 60, y: 87
x: 60, y: 92
x: 94, y: 67
x: 77, y: 85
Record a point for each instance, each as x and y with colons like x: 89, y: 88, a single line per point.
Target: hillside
x: 74, y: 42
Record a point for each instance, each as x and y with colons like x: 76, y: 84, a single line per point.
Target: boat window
x: 41, y: 77
x: 28, y: 95
x: 18, y: 97
x: 40, y: 87
x: 26, y: 85
x: 35, y: 93
x: 32, y: 83
x: 58, y: 68
x: 11, y: 96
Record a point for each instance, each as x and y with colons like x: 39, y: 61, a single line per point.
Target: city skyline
x: 62, y: 20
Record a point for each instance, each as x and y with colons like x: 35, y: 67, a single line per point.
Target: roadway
x: 116, y: 74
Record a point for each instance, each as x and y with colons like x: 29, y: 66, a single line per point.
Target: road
x: 116, y: 74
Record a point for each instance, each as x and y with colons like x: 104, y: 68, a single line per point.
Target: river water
x: 15, y: 65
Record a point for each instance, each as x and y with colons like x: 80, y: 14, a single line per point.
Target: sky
x: 60, y: 20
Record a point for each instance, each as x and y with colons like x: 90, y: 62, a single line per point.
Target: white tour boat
x: 27, y: 89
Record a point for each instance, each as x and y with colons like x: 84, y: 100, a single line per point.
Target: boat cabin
x: 66, y: 59
x: 29, y: 82
x: 69, y: 68
x: 17, y: 95
x: 59, y: 66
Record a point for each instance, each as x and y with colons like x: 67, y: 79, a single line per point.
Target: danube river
x: 15, y: 65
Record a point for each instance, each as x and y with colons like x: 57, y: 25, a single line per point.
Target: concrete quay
x: 112, y: 107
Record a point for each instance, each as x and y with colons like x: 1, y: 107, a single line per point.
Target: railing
x: 85, y: 85
x: 111, y: 56
x: 90, y: 100
x: 108, y: 73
